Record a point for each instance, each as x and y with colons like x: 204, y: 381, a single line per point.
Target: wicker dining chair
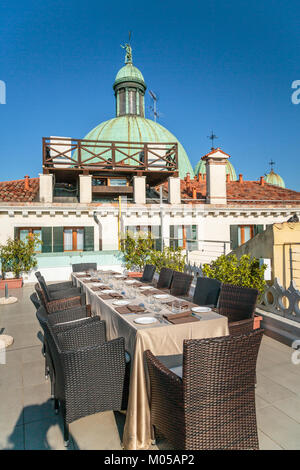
x: 90, y: 373
x: 57, y: 286
x: 165, y: 278
x: 60, y: 304
x: 60, y: 321
x: 237, y: 303
x: 181, y: 284
x: 57, y: 295
x: 212, y: 407
x: 149, y: 271
x: 206, y: 291
x: 81, y: 267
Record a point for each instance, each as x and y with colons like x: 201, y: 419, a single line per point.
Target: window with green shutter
x: 88, y: 238
x: 46, y: 239
x: 58, y: 239
x: 234, y: 237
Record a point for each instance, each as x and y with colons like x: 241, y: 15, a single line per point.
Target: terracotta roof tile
x: 14, y: 191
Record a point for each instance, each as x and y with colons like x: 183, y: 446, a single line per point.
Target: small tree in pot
x: 18, y: 256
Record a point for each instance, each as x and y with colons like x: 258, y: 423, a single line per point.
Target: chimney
x: 262, y: 181
x: 227, y: 178
x: 216, y: 192
x: 204, y: 176
x: 26, y: 183
x: 194, y: 193
x: 188, y: 178
x: 199, y: 177
x: 241, y: 178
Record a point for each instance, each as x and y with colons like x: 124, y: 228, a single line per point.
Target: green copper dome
x: 129, y: 73
x: 138, y: 129
x: 274, y: 178
x: 201, y: 168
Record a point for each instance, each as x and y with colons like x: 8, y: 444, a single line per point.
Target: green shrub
x: 244, y: 272
x: 18, y: 256
x: 138, y: 251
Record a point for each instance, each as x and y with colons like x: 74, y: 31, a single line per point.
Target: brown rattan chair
x: 181, y: 284
x: 165, y: 278
x: 57, y: 286
x: 80, y: 267
x: 212, y: 406
x: 206, y: 291
x: 148, y: 273
x: 238, y: 305
x: 60, y: 304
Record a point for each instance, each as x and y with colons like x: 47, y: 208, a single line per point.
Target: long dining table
x: 163, y: 338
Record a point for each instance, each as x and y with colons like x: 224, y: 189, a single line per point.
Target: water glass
x: 176, y: 307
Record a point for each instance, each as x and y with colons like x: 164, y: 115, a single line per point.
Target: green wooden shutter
x: 234, y: 237
x: 16, y: 232
x: 88, y: 238
x: 46, y: 239
x: 258, y: 229
x: 58, y: 239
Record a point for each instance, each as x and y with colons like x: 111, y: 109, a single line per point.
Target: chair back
x: 35, y: 300
x: 165, y: 278
x: 80, y: 267
x: 237, y: 303
x: 38, y: 274
x: 219, y: 383
x: 41, y: 295
x: 44, y: 288
x: 206, y: 291
x: 148, y: 273
x: 181, y: 283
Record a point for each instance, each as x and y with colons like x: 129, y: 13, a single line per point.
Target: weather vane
x: 212, y: 137
x: 271, y: 163
x: 128, y: 48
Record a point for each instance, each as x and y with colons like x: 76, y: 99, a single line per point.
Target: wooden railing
x: 59, y: 152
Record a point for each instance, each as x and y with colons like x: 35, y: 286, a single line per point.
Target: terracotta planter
x: 132, y: 274
x: 256, y: 321
x: 11, y: 283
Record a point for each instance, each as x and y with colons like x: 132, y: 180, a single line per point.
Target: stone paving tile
x: 279, y: 427
x: 45, y: 434
x: 271, y: 391
x: 13, y: 440
x: 265, y: 443
x: 290, y: 406
x: 37, y: 402
x: 282, y: 375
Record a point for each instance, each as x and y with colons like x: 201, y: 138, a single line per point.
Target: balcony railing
x: 74, y: 154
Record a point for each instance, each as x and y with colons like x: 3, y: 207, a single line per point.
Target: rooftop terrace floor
x: 27, y: 416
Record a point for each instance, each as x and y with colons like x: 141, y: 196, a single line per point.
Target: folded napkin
x: 95, y: 279
x: 113, y: 295
x: 150, y: 292
x: 130, y: 309
x: 184, y: 317
x: 181, y: 303
x: 80, y: 275
x: 86, y: 281
x: 95, y: 288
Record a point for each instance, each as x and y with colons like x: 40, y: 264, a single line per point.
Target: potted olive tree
x: 17, y: 257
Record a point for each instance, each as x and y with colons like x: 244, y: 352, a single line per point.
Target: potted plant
x: 17, y: 256
x: 136, y: 251
x: 243, y: 272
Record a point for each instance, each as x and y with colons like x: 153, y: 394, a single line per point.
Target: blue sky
x: 222, y: 65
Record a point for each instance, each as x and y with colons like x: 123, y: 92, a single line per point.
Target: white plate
x: 145, y: 287
x: 108, y: 291
x: 98, y: 284
x: 118, y: 276
x: 161, y: 296
x: 120, y: 302
x: 80, y: 273
x: 201, y: 309
x: 145, y: 320
x: 130, y: 281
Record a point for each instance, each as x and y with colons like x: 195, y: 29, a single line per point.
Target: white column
x: 46, y: 188
x: 139, y: 189
x: 174, y: 194
x: 85, y: 189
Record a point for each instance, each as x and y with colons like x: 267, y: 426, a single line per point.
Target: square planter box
x: 11, y: 283
x: 132, y: 274
x: 256, y: 321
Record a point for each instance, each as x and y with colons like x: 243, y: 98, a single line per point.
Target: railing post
x: 79, y: 152
x: 113, y: 155
x: 146, y: 156
x: 291, y: 263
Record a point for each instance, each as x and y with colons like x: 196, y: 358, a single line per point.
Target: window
x: 118, y: 182
x: 122, y: 103
x: 154, y: 230
x: 183, y: 236
x: 132, y: 101
x: 73, y: 239
x: 25, y: 232
x: 240, y: 234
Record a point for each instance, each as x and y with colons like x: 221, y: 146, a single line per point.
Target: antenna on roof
x: 212, y: 137
x: 153, y: 108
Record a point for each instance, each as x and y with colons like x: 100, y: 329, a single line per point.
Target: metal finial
x: 271, y: 163
x: 212, y: 137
